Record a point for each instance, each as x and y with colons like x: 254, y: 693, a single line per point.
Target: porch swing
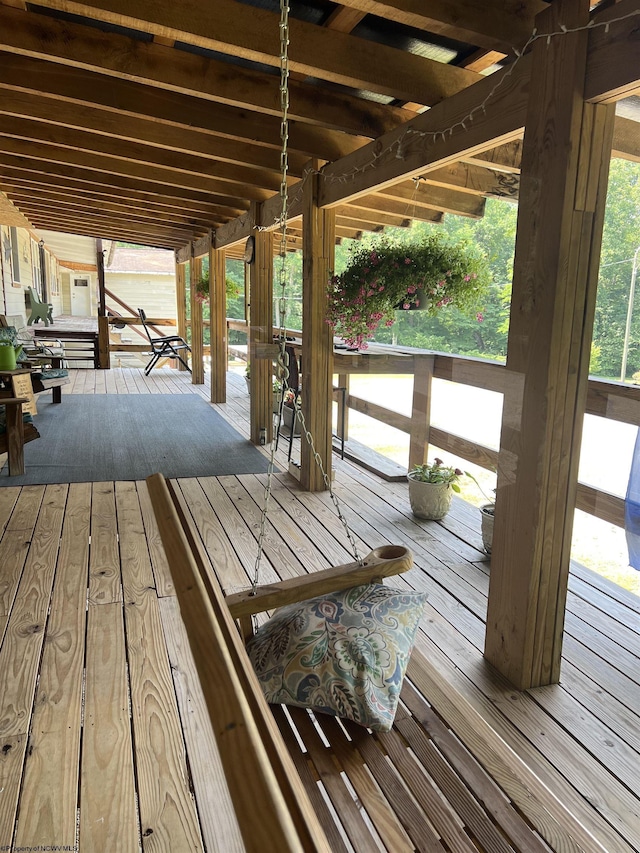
x: 306, y: 781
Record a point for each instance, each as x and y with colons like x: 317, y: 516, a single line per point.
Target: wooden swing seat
x: 441, y: 780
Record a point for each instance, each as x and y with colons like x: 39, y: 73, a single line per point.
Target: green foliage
x: 386, y: 273
x: 437, y: 473
x: 621, y: 238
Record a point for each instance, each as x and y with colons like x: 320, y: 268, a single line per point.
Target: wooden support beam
x: 435, y: 197
x: 109, y: 180
x: 181, y: 303
x: 328, y: 55
x: 218, y: 327
x: 317, y: 349
x: 421, y: 409
x: 197, y: 328
x: 261, y: 334
x: 226, y: 192
x: 103, y: 323
x: 48, y: 198
x: 500, y: 24
x: 405, y: 152
x: 565, y: 165
x: 79, y: 139
x: 613, y: 70
x: 46, y: 102
x: 187, y: 77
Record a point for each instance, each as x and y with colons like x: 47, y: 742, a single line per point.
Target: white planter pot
x: 487, y: 526
x: 429, y: 500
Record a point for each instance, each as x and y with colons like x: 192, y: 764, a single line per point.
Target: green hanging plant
x: 386, y: 275
x: 201, y: 288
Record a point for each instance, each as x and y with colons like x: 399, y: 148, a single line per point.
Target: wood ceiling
x: 152, y: 121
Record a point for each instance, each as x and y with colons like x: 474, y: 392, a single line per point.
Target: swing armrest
x: 381, y: 563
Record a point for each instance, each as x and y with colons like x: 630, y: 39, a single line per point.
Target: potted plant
x: 431, y: 488
x: 201, y: 288
x: 386, y: 275
x: 487, y: 513
x: 288, y: 413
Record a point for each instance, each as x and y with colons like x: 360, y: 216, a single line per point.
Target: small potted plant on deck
x: 431, y: 488
x: 384, y: 276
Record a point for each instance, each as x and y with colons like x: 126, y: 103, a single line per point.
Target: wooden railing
x: 611, y: 400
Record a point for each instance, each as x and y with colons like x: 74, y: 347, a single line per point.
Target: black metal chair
x: 169, y: 346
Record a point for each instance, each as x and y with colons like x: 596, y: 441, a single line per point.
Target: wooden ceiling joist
x: 434, y: 197
x: 15, y: 172
x: 181, y: 133
x: 134, y: 152
x: 80, y: 205
x: 151, y: 210
x: 125, y: 97
x: 186, y: 140
x: 225, y: 192
x: 178, y: 71
x: 501, y: 24
x: 251, y: 33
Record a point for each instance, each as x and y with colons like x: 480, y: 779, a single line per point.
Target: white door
x: 81, y: 296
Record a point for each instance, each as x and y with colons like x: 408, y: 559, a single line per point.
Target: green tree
x: 620, y: 240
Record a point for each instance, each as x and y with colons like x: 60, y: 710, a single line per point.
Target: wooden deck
x: 104, y: 742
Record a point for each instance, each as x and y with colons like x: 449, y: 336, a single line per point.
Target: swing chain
x: 282, y: 370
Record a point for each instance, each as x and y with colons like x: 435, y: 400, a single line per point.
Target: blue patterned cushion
x: 343, y: 654
x: 51, y: 373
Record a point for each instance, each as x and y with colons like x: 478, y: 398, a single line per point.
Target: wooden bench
x: 441, y: 779
x: 16, y: 433
x: 50, y: 379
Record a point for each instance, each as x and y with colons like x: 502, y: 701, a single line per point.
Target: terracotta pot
x: 429, y: 500
x: 486, y: 516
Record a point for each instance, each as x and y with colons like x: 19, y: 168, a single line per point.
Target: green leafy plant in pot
x: 386, y: 275
x: 431, y: 488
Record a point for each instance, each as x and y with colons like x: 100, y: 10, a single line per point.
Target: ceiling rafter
x: 126, y: 98
x: 494, y: 24
x: 251, y: 33
x: 119, y: 133
x: 127, y: 58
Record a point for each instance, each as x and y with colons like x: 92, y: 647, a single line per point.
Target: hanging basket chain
x: 283, y: 358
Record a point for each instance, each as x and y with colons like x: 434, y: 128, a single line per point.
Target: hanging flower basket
x: 384, y: 276
x: 201, y: 288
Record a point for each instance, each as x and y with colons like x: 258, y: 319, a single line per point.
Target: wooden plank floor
x: 104, y: 742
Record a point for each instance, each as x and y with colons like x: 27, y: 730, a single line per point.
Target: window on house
x: 15, y: 253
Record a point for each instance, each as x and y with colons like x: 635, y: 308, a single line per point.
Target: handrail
x: 131, y: 310
x: 612, y: 400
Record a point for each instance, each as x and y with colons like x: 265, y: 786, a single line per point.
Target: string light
x: 430, y: 136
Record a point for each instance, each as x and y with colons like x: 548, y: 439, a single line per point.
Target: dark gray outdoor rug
x: 95, y: 437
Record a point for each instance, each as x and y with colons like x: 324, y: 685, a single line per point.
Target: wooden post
x: 261, y: 339
x: 181, y: 303
x: 318, y: 243
x: 565, y: 164
x: 104, y: 361
x: 421, y: 409
x: 197, y: 342
x: 218, y: 327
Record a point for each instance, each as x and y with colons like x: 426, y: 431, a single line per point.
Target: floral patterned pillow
x: 343, y: 654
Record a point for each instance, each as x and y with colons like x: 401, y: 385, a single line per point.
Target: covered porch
x: 106, y: 741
